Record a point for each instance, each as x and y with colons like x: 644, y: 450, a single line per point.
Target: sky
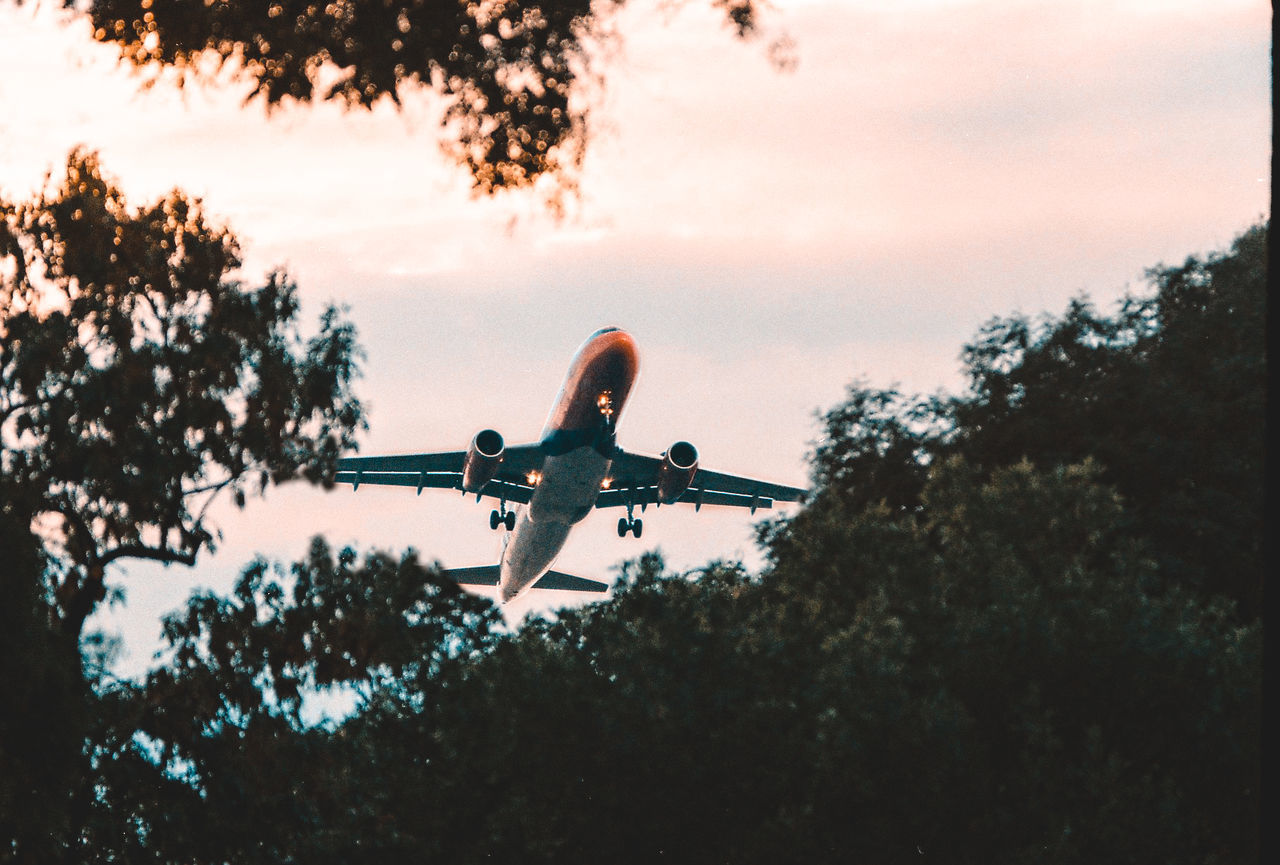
x: 768, y: 235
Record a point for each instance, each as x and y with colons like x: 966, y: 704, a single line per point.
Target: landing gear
x: 504, y: 518
x: 629, y: 523
x: 636, y: 527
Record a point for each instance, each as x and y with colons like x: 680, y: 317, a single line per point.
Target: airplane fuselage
x: 579, y: 440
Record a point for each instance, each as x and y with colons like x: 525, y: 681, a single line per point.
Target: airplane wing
x: 443, y: 470
x: 635, y: 481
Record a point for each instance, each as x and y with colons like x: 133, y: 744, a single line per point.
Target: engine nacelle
x: 679, y: 465
x: 484, y: 455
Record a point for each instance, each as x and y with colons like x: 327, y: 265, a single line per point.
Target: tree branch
x: 155, y: 554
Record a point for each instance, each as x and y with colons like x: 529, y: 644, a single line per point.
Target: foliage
x: 996, y: 682
x: 954, y: 651
x: 986, y: 678
x: 45, y: 706
x: 219, y: 736
x: 513, y: 74
x: 1168, y: 395
x: 139, y: 380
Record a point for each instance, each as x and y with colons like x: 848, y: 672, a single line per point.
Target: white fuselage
x: 579, y: 441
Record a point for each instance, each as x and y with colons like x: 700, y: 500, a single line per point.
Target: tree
x: 993, y: 677
x: 513, y: 74
x: 139, y: 381
x: 1168, y: 395
x: 218, y: 736
x: 979, y: 657
x: 987, y: 675
x: 46, y: 706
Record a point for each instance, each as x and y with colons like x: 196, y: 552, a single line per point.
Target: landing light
x: 534, y: 478
x: 606, y: 483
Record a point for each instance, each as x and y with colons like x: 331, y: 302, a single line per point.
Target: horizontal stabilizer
x: 569, y: 583
x: 487, y: 575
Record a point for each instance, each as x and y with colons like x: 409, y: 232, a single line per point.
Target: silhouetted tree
x: 953, y: 651
x: 139, y: 380
x: 1168, y: 396
x: 986, y: 677
x: 218, y: 736
x: 44, y: 710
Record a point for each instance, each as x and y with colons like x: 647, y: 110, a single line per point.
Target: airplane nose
x: 618, y: 348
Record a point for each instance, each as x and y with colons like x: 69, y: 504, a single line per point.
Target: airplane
x: 574, y: 467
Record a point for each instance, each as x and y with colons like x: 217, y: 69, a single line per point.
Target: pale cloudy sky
x: 767, y: 236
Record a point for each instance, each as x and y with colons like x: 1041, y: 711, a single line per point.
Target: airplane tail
x: 487, y: 575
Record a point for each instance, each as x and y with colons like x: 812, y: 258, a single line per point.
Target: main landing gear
x: 504, y: 518
x: 626, y: 524
x: 630, y: 523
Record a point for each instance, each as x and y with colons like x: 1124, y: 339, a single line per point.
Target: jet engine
x: 484, y: 455
x: 679, y: 465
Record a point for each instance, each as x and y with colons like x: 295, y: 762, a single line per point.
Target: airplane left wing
x: 443, y: 470
x: 634, y: 481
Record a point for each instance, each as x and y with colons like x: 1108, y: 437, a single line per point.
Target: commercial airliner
x: 575, y: 466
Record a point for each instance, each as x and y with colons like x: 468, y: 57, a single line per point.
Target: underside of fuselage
x: 578, y: 441
x: 565, y: 494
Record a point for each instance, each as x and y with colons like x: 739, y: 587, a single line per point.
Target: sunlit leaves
x: 515, y: 76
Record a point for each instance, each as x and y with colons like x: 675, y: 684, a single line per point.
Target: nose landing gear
x: 629, y: 523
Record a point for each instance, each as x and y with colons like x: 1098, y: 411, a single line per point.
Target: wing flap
x: 700, y: 497
x: 695, y: 497
x: 443, y: 471
x: 447, y: 461
x: 433, y: 480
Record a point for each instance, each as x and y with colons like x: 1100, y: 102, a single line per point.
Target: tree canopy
x: 943, y: 682
x: 1167, y: 396
x: 139, y: 380
x: 515, y: 76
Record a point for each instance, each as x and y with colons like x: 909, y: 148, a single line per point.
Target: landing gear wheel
x: 494, y: 519
x: 510, y: 521
x: 623, y: 527
x: 637, y: 526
